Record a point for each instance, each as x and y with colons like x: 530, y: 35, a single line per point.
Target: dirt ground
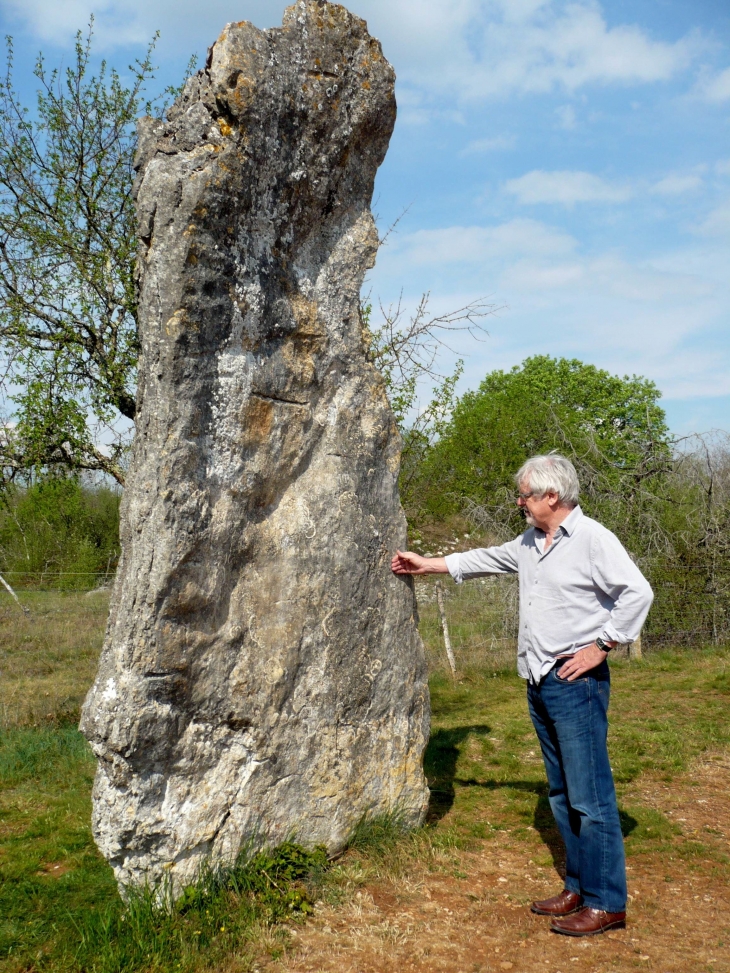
x: 475, y: 917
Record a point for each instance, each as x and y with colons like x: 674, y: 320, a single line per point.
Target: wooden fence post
x: 10, y: 590
x: 445, y: 627
x: 635, y: 649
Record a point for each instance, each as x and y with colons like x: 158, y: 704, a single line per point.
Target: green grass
x: 51, y: 876
x: 483, y: 761
x: 59, y: 905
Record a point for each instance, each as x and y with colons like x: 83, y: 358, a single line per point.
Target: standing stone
x: 262, y: 675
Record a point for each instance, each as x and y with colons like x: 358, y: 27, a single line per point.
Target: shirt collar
x: 572, y: 520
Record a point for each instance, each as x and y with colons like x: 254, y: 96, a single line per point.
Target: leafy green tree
x: 59, y: 532
x: 68, y: 333
x: 613, y: 428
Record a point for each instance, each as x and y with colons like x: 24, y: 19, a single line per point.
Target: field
x: 451, y: 897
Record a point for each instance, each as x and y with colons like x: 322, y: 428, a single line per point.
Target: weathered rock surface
x: 262, y: 674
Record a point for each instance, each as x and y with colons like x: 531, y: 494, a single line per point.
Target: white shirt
x: 584, y: 585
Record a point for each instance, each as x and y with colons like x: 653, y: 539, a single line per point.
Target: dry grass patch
x: 48, y: 657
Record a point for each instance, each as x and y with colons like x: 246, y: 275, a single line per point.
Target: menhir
x: 262, y: 676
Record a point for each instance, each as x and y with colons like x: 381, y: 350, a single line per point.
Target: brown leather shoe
x: 560, y: 905
x: 589, y: 922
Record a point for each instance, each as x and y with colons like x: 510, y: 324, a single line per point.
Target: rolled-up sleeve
x: 484, y: 560
x: 616, y: 574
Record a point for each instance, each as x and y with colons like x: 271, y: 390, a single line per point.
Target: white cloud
x: 496, y: 47
x: 565, y: 187
x: 658, y: 317
x: 609, y: 275
x: 716, y: 88
x: 542, y: 277
x: 496, y: 144
x: 470, y: 48
x: 624, y: 316
x: 717, y: 223
x: 566, y: 117
x: 478, y: 244
x: 568, y: 187
x: 414, y: 109
x: 676, y: 185
x: 183, y: 24
x: 722, y: 167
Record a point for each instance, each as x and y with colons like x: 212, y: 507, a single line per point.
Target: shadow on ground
x: 439, y: 765
x: 440, y: 760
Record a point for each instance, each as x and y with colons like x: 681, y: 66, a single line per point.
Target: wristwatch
x: 603, y: 646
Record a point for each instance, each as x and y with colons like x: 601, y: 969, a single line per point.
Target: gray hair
x: 550, y: 474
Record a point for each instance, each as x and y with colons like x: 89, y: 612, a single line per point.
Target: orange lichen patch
x: 306, y: 315
x: 224, y: 127
x: 376, y: 51
x: 242, y: 95
x: 257, y: 418
x: 178, y: 324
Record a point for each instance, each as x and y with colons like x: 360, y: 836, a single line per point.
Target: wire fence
x: 690, y: 609
x: 54, y: 580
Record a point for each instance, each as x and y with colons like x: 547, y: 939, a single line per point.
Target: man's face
x: 535, y: 507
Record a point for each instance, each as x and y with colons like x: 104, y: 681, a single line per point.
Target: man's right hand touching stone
x: 409, y: 563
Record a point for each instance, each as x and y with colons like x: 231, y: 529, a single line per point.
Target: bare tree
x: 68, y: 330
x: 407, y: 349
x: 703, y: 486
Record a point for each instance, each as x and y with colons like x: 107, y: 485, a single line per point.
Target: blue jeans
x: 572, y: 724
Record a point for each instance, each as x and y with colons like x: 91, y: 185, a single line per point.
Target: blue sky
x: 570, y: 161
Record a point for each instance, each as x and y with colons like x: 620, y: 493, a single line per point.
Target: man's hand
x: 409, y: 563
x: 583, y: 661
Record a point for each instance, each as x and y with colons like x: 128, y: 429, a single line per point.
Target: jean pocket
x: 568, y: 682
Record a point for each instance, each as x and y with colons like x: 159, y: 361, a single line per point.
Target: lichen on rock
x: 262, y: 675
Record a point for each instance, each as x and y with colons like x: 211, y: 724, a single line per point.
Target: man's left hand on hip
x: 581, y: 662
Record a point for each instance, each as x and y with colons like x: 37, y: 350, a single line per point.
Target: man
x: 580, y: 595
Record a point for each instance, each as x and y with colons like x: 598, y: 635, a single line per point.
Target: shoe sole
x: 620, y: 924
x: 555, y: 915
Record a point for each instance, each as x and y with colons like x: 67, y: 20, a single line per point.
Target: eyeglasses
x: 524, y: 496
